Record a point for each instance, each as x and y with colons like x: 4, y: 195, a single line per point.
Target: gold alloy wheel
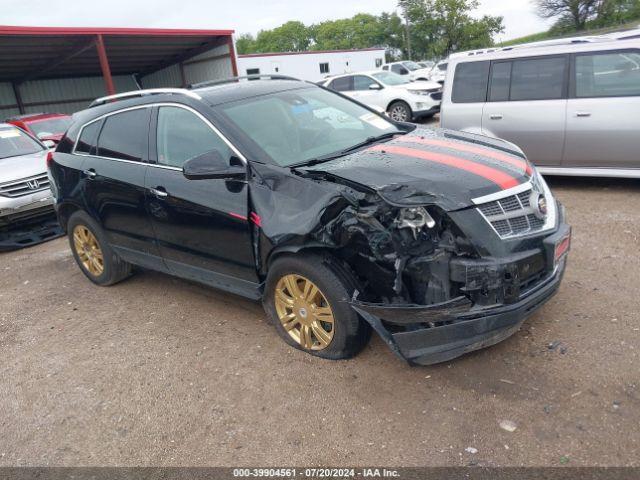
x: 88, y: 250
x: 304, y: 312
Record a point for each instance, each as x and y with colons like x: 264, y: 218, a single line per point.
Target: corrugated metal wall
x: 197, y: 69
x: 71, y: 95
x: 58, y: 95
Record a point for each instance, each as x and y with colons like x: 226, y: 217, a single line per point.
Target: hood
x: 442, y: 167
x: 423, y: 72
x: 23, y: 166
x: 55, y: 137
x: 420, y: 85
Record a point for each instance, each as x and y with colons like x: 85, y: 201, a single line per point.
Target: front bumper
x: 438, y: 333
x: 15, y: 211
x: 427, y: 113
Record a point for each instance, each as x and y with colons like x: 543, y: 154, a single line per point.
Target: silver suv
x: 24, y: 186
x: 573, y: 108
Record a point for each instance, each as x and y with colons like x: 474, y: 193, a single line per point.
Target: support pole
x: 232, y: 54
x: 183, y: 75
x: 104, y: 65
x: 16, y: 93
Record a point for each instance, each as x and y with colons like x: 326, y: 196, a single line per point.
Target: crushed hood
x: 433, y: 166
x: 23, y: 166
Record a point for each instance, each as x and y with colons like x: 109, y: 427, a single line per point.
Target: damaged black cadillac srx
x: 340, y: 220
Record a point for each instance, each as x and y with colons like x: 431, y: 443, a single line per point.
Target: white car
x: 439, y: 72
x: 401, y: 99
x: 408, y: 68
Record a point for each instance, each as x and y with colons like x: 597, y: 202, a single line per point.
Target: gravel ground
x: 160, y: 371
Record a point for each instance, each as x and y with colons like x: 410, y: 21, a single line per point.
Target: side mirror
x: 211, y: 165
x: 375, y: 86
x: 49, y: 143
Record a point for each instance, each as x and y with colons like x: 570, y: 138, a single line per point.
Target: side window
x: 608, y: 74
x: 399, y: 69
x: 324, y: 68
x: 360, y: 82
x: 378, y: 62
x: 538, y: 79
x: 342, y: 84
x: 500, y: 82
x: 183, y: 135
x: 87, y: 142
x: 386, y: 67
x: 470, y: 82
x: 125, y: 135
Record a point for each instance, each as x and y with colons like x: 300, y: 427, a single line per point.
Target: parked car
x: 573, y: 108
x: 45, y: 126
x: 337, y: 218
x: 24, y: 187
x: 412, y: 70
x: 439, y: 72
x: 401, y: 99
x: 426, y: 64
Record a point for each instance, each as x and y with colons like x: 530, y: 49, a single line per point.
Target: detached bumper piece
x: 425, y: 335
x: 28, y: 235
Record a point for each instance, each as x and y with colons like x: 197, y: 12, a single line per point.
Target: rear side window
x: 125, y: 135
x: 183, y: 135
x: 343, y: 84
x: 538, y: 79
x: 470, y: 82
x: 87, y: 142
x: 500, y: 84
x: 608, y: 74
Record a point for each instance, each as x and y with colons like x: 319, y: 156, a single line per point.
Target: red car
x: 45, y: 126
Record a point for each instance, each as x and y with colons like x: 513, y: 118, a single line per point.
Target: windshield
x: 390, y: 78
x: 413, y: 66
x: 296, y: 126
x: 14, y: 142
x: 442, y: 67
x: 50, y: 126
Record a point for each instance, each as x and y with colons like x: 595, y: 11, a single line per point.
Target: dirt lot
x: 159, y: 371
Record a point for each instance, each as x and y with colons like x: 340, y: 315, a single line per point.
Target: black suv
x: 337, y: 218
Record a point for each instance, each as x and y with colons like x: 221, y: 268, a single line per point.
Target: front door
x: 526, y: 105
x: 201, y: 226
x: 114, y: 188
x: 603, y: 113
x: 364, y: 93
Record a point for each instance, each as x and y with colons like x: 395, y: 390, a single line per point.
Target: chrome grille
x: 25, y: 186
x: 512, y: 215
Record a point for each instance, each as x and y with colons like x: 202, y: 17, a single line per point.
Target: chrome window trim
x: 151, y: 105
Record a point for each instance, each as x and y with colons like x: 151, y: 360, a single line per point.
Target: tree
x: 292, y: 36
x: 245, y: 43
x: 440, y: 27
x: 570, y: 12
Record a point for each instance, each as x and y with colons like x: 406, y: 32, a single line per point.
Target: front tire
x: 92, y: 251
x: 400, y: 111
x: 307, y: 299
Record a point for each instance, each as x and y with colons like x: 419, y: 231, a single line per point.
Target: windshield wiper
x: 333, y: 156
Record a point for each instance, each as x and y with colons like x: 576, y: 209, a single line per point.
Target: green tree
x: 441, y: 27
x: 245, y: 43
x: 292, y: 36
x: 573, y: 13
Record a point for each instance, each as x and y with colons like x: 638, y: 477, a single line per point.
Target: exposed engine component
x: 415, y: 218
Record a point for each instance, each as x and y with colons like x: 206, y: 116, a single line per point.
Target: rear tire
x: 400, y: 111
x: 322, y: 322
x: 92, y: 251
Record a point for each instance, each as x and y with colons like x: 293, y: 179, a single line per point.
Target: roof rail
x: 143, y: 93
x: 211, y: 83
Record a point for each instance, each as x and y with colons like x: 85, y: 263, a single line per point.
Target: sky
x: 240, y: 15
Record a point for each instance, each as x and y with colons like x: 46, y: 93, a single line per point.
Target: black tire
x: 400, y: 111
x: 114, y: 268
x: 350, y: 332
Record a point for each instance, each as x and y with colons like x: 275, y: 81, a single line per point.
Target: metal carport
x: 63, y: 69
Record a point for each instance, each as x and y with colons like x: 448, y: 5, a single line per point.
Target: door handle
x: 159, y: 192
x: 496, y: 116
x: 583, y: 114
x: 91, y: 173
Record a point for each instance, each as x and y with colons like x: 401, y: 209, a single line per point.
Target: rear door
x: 603, y: 114
x: 527, y: 103
x: 114, y: 186
x: 201, y: 226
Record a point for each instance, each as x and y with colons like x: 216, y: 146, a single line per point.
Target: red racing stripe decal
x: 483, y: 151
x: 498, y: 177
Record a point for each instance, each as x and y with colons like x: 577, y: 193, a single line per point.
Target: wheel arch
x: 64, y: 212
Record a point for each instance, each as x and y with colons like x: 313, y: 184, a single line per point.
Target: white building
x: 312, y: 66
